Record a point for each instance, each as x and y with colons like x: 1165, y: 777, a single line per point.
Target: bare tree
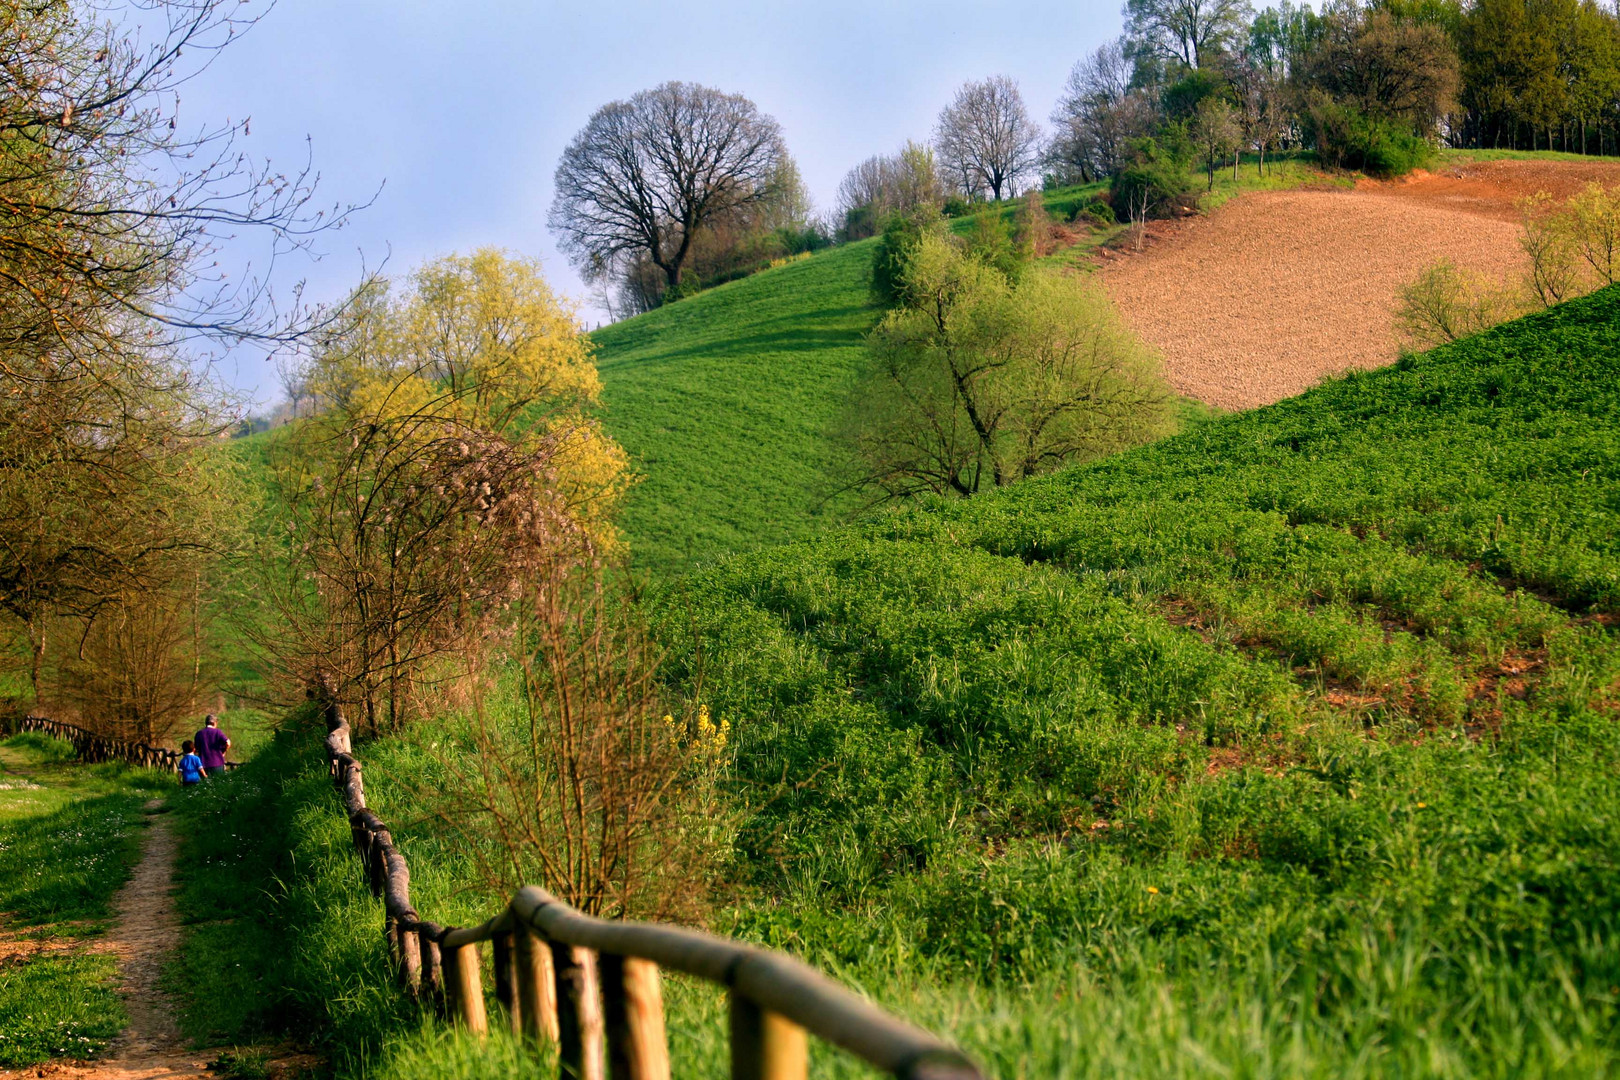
x: 1098, y: 112
x: 645, y: 175
x: 114, y: 214
x: 1189, y: 32
x: 888, y: 184
x: 986, y: 138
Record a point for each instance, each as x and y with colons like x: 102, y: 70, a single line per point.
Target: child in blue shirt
x: 191, y: 766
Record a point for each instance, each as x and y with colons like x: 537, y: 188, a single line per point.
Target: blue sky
x: 461, y: 109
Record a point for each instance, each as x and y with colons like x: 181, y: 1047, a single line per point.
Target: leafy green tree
x: 1216, y: 130
x: 978, y: 382
x: 1187, y: 32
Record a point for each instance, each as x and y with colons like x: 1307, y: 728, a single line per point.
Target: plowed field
x: 1274, y: 291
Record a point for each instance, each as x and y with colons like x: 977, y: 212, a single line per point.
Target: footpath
x: 151, y: 1047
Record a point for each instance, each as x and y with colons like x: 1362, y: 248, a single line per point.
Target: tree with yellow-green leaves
x: 977, y: 381
x: 455, y: 459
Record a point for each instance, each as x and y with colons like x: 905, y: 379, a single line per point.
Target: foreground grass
x: 69, y: 836
x: 1282, y: 748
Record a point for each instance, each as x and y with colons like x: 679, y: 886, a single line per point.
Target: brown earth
x: 1275, y: 291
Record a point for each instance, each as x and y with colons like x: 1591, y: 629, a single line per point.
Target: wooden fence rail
x: 591, y: 986
x: 93, y: 748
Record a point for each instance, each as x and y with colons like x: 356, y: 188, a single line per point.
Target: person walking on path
x: 211, y: 746
x: 191, y: 766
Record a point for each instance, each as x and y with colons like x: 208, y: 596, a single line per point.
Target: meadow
x: 726, y: 401
x: 69, y: 836
x: 1284, y: 747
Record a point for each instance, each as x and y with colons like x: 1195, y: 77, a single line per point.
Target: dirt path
x: 151, y: 1048
x: 1275, y: 291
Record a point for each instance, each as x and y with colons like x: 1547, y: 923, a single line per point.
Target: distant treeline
x: 1361, y: 85
x: 683, y: 186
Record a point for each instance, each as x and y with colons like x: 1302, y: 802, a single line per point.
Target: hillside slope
x: 1253, y: 303
x: 724, y: 400
x: 1287, y: 745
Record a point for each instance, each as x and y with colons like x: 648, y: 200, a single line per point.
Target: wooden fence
x: 591, y: 986
x: 93, y: 748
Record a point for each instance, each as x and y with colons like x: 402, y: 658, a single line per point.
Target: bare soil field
x: 1275, y: 291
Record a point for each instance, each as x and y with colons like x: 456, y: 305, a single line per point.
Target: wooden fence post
x: 536, y: 985
x: 579, y: 1013
x: 410, y: 956
x: 503, y: 958
x: 432, y: 981
x: 633, y: 1013
x: 765, y: 1046
x: 466, y: 988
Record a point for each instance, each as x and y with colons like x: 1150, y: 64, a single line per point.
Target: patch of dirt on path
x: 1275, y: 291
x: 148, y: 929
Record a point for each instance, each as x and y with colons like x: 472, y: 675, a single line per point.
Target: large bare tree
x: 986, y: 139
x: 644, y: 175
x: 1100, y: 110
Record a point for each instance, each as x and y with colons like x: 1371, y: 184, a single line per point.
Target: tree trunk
x: 36, y: 642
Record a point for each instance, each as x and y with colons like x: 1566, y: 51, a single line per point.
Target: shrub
x: 1152, y: 183
x: 1344, y: 136
x: 901, y: 234
x: 956, y: 207
x: 1446, y: 302
x: 1095, y: 212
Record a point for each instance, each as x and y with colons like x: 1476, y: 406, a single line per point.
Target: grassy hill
x: 724, y: 400
x: 1285, y: 747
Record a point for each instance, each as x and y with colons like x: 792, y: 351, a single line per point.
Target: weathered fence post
x: 579, y: 1013
x: 466, y: 987
x: 536, y: 984
x: 409, y: 942
x: 503, y: 958
x: 765, y: 1046
x: 432, y: 981
x: 633, y: 1013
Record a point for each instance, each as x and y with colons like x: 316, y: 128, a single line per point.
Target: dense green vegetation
x: 69, y: 835
x: 1281, y: 748
x: 726, y: 401
x: 1299, y: 726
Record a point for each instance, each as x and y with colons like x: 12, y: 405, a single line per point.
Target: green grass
x: 69, y: 836
x: 57, y: 1006
x: 1282, y: 748
x: 1448, y: 156
x: 68, y: 832
x: 724, y: 402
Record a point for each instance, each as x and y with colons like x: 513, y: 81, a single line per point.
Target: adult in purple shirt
x: 211, y: 746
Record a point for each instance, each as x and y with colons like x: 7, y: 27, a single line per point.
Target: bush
x: 1446, y: 303
x: 1344, y: 136
x: 1152, y: 183
x: 901, y: 234
x: 955, y: 207
x: 1095, y: 212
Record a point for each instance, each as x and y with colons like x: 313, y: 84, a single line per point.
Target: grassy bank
x: 69, y: 836
x: 1282, y: 748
